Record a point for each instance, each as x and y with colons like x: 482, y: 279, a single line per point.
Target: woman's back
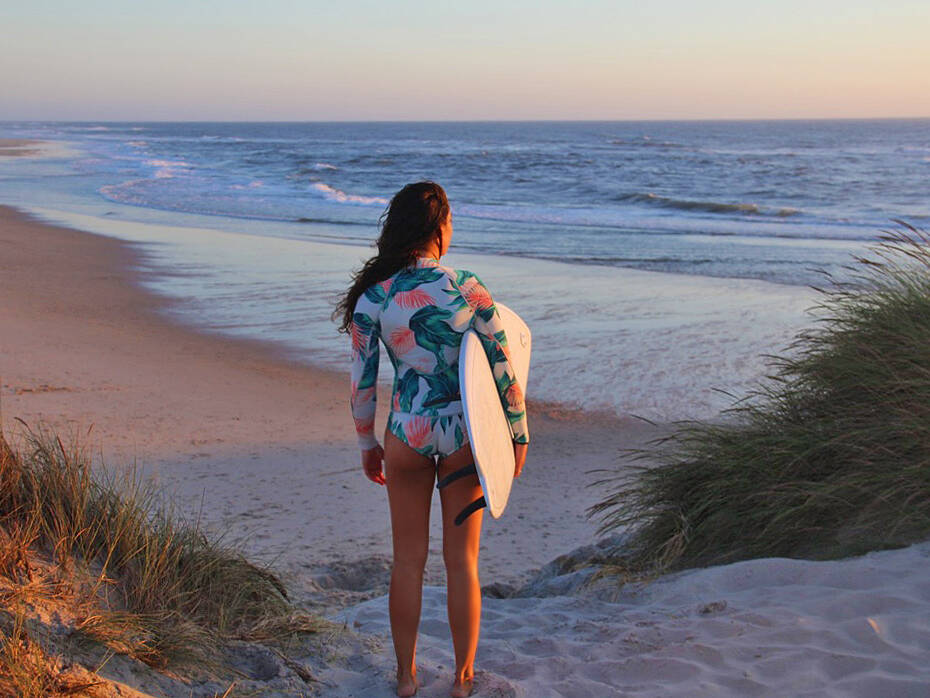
x: 421, y: 314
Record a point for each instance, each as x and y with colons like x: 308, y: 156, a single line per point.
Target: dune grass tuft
x: 829, y: 457
x: 141, y: 580
x: 28, y: 671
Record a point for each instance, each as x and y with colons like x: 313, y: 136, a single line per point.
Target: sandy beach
x: 24, y: 147
x: 18, y: 147
x: 262, y: 449
x: 265, y: 444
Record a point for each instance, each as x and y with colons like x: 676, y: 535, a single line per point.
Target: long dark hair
x: 409, y: 223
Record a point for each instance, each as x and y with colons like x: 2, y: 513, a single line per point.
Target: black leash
x: 479, y: 503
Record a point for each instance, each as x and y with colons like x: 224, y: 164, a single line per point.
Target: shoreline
x: 673, y: 344
x: 261, y: 445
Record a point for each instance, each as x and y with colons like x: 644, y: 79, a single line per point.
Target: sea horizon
x: 734, y: 119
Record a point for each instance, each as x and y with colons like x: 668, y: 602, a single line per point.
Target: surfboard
x: 488, y: 427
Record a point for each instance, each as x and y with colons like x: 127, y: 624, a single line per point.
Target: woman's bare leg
x: 410, y: 478
x: 460, y: 552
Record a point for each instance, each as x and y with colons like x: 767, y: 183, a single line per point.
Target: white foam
x: 122, y: 192
x: 340, y: 196
x: 167, y: 168
x: 168, y: 163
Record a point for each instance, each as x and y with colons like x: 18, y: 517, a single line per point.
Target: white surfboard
x: 488, y: 427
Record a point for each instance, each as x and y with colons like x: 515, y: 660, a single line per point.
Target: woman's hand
x: 519, y: 455
x: 372, y: 463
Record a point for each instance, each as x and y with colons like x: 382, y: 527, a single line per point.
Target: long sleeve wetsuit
x: 421, y: 313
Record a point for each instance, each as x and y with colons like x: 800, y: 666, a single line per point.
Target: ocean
x: 673, y: 252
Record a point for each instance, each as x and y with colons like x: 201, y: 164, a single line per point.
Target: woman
x: 420, y: 309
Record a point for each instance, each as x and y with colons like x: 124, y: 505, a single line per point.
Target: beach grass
x: 828, y: 458
x: 120, y: 568
x: 28, y: 671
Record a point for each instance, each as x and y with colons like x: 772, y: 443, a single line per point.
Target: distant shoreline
x: 18, y: 147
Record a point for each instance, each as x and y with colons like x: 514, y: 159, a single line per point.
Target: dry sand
x: 264, y: 448
x: 774, y: 627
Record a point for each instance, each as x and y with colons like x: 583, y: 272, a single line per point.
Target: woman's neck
x: 431, y: 250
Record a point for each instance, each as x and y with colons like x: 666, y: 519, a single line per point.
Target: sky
x: 306, y: 60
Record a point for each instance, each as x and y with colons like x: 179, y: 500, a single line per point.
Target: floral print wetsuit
x: 421, y: 313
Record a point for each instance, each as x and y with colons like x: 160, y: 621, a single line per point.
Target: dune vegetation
x: 829, y: 457
x: 89, y: 560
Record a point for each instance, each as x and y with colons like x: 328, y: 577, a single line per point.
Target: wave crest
x: 166, y: 169
x: 646, y: 142
x: 168, y: 163
x: 338, y: 195
x: 706, y: 206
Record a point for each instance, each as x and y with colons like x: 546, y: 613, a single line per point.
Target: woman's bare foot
x: 407, y: 686
x: 462, y: 688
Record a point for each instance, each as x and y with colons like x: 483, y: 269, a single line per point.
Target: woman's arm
x: 487, y: 323
x: 366, y: 331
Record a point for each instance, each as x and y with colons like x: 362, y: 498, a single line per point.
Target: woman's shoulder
x: 474, y: 291
x: 462, y: 277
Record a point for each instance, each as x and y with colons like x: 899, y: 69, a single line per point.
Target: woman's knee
x: 459, y: 559
x: 410, y: 561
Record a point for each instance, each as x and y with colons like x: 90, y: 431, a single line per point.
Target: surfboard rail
x: 488, y: 427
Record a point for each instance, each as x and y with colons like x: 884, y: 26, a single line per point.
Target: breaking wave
x: 343, y: 198
x: 166, y: 169
x: 168, y: 163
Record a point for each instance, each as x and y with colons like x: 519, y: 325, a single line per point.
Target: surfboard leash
x: 479, y: 503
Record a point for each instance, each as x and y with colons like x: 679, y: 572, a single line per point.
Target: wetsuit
x: 421, y: 313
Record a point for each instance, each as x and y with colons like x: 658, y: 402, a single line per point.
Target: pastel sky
x: 471, y: 59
